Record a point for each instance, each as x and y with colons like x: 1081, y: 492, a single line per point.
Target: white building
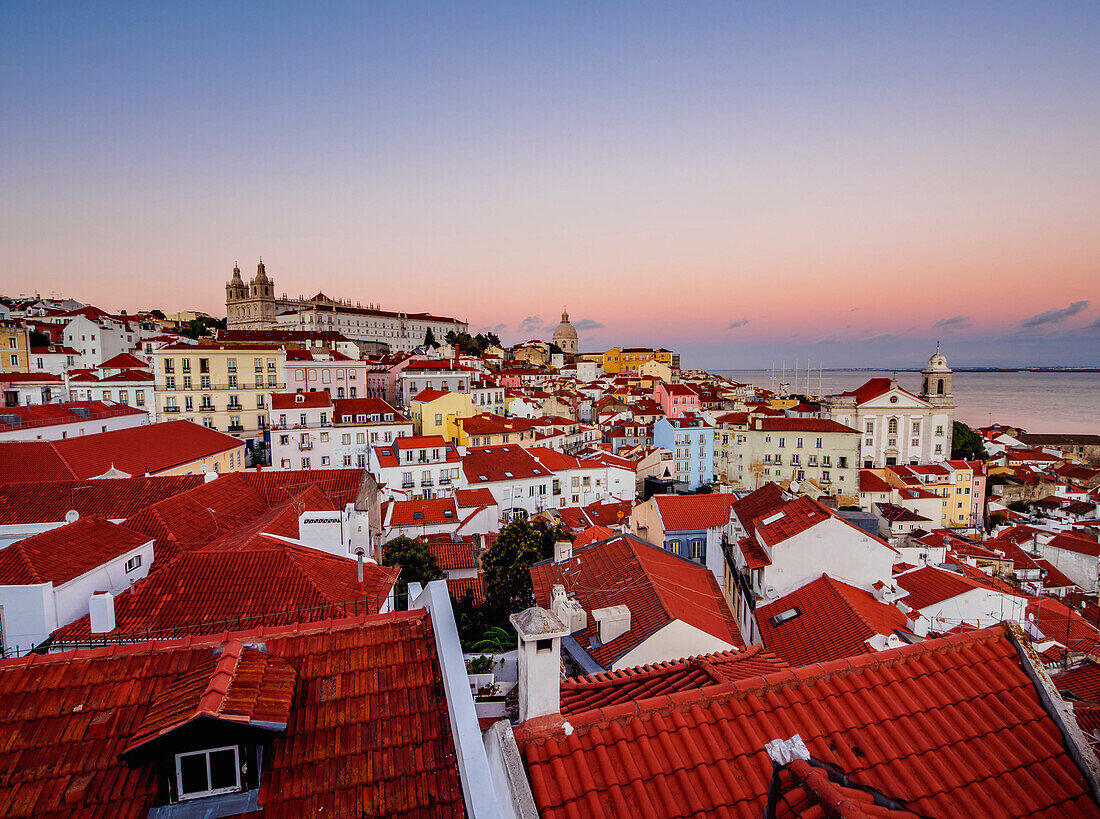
x: 301, y: 430
x: 51, y: 578
x: 56, y: 422
x: 897, y: 426
x: 360, y: 424
x: 419, y: 467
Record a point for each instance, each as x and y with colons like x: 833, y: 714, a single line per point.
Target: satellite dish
x: 72, y: 516
x: 794, y: 486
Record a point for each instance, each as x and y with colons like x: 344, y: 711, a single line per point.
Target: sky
x: 744, y: 183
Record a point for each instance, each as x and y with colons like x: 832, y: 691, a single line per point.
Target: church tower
x: 936, y: 383
x: 251, y: 306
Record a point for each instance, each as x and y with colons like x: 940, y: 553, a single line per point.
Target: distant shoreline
x: 917, y: 370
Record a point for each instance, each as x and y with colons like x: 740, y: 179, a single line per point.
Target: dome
x: 565, y: 330
x: 938, y: 361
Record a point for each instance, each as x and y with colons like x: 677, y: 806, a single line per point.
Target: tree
x: 966, y: 444
x: 417, y: 563
x: 506, y: 566
x: 157, y: 314
x: 429, y: 339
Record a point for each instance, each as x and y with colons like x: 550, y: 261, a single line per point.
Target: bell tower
x: 235, y: 294
x: 936, y: 381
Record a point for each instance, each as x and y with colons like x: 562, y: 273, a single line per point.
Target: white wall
x: 675, y: 641
x: 72, y: 597
x: 28, y: 615
x: 831, y: 547
x: 981, y: 606
x: 94, y: 426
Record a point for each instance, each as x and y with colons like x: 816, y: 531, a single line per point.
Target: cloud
x: 586, y: 324
x: 830, y: 339
x: 1055, y: 314
x: 881, y: 337
x: 530, y: 323
x: 1095, y: 324
x: 954, y: 321
x: 496, y: 328
x: 738, y: 323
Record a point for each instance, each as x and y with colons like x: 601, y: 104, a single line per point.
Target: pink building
x: 676, y: 399
x: 331, y: 372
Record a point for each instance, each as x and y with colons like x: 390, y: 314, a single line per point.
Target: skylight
x: 509, y: 475
x: 770, y: 519
x: 784, y: 616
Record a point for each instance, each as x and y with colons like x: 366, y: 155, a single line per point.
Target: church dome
x: 938, y: 361
x: 565, y: 330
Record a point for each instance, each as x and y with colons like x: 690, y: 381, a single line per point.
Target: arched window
x: 893, y: 427
x: 939, y: 387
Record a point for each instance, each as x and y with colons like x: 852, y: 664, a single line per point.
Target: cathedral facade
x: 254, y: 306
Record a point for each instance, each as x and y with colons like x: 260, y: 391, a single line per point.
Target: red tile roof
x: 242, y: 581
x: 420, y: 512
x: 457, y: 587
x: 873, y: 388
x: 243, y: 686
x: 347, y: 409
x: 806, y: 790
x: 834, y: 620
x: 493, y: 463
x: 688, y: 513
x: 929, y: 585
x: 451, y: 554
x: 124, y: 361
x: 870, y: 482
x: 657, y: 587
x: 469, y: 498
x: 952, y: 726
x: 48, y: 501
x: 137, y: 451
x: 777, y: 424
x: 790, y: 519
x: 1075, y: 543
x: 72, y: 412
x: 1083, y: 681
x: 580, y: 694
x: 300, y: 400
x: 372, y: 681
x: 66, y: 552
x: 426, y: 396
x: 759, y: 503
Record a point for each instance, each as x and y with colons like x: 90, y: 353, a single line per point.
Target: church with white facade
x: 254, y: 306
x: 896, y: 426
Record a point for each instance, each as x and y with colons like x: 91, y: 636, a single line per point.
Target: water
x: 1066, y: 402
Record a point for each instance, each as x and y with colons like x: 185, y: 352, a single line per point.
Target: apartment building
x: 221, y: 386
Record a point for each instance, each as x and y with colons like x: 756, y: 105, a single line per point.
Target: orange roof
x: 300, y: 400
x: 834, y: 620
x: 375, y: 677
x: 870, y: 482
x: 62, y: 554
x: 657, y: 587
x: 479, y: 496
x: 687, y: 513
x: 137, y: 451
x: 952, y: 727
x: 420, y: 512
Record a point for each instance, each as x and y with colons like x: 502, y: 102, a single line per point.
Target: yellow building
x: 15, y: 347
x: 225, y: 387
x: 782, y: 403
x: 630, y: 359
x: 435, y: 412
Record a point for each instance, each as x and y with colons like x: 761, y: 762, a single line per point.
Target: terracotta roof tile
x: 66, y: 552
x: 834, y: 620
x: 685, y: 513
x: 658, y: 587
x: 952, y: 727
x: 373, y: 682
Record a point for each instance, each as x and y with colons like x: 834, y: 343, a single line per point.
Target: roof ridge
x: 212, y: 699
x: 63, y: 459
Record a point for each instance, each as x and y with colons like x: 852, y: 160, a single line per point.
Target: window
x: 305, y: 463
x: 204, y: 365
x: 12, y: 343
x: 207, y: 773
x: 697, y: 549
x: 361, y: 461
x: 345, y: 439
x: 133, y: 563
x: 347, y: 460
x: 258, y: 364
x: 204, y: 382
x: 870, y: 427
x: 819, y: 443
x: 169, y: 382
x: 186, y: 365
x: 939, y: 434
x: 231, y: 365
x: 169, y: 365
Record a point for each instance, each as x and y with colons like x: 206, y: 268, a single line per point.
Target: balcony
x: 236, y: 427
x: 304, y: 446
x: 234, y: 407
x: 171, y: 409
x: 427, y: 482
x: 444, y: 480
x: 407, y: 484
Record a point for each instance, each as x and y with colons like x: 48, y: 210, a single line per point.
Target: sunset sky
x: 741, y: 182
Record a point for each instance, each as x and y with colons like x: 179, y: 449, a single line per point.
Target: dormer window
x: 208, y: 773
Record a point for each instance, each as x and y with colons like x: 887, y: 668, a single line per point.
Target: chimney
x: 101, y: 612
x: 917, y: 623
x: 563, y: 551
x: 612, y: 622
x: 539, y: 635
x: 570, y: 612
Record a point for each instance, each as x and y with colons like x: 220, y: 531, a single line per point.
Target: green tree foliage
x: 417, y: 563
x: 429, y: 339
x: 471, y: 345
x: 506, y: 566
x: 202, y: 327
x: 966, y: 444
x: 157, y: 314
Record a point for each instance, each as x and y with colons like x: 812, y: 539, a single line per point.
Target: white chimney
x: 917, y: 624
x: 539, y: 635
x: 570, y: 612
x: 101, y: 612
x: 563, y: 551
x: 613, y: 621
